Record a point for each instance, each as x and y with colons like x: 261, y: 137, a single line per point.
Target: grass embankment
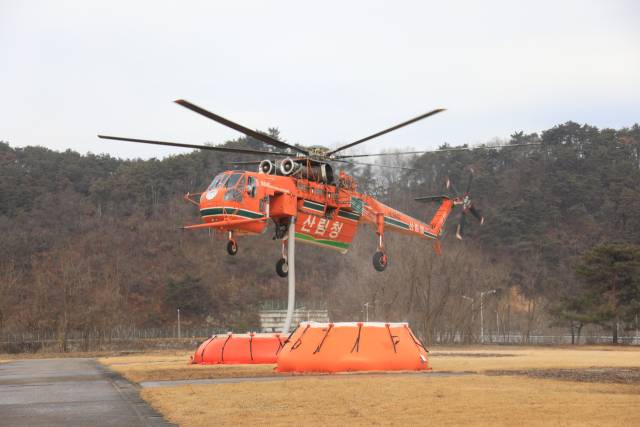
x: 474, y: 360
x: 470, y: 400
x: 104, y: 355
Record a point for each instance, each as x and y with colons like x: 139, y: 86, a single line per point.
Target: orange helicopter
x: 303, y: 190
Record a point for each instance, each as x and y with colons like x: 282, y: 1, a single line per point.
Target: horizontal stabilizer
x: 432, y: 199
x: 226, y: 223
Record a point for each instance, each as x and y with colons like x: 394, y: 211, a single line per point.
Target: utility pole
x: 481, y: 317
x: 179, y: 336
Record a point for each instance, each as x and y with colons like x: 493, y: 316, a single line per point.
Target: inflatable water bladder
x: 239, y: 349
x: 348, y: 347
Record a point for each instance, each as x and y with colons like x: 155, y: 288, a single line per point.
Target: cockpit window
x: 215, y: 181
x: 233, y: 180
x: 223, y: 181
x: 233, y: 195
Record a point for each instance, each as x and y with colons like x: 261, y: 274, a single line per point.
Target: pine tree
x: 607, y: 267
x: 579, y: 311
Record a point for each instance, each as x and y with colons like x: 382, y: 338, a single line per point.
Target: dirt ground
x: 536, y: 386
x: 594, y: 375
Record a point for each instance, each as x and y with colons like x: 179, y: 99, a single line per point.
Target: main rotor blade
x: 380, y: 154
x: 228, y: 123
x: 380, y: 166
x: 470, y: 179
x: 198, y: 147
x: 257, y: 162
x: 438, y: 151
x: 424, y: 116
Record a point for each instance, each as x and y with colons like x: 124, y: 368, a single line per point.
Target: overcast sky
x: 323, y: 72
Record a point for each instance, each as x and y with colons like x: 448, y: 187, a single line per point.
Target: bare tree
x: 72, y: 281
x: 8, y: 279
x: 533, y: 295
x: 40, y: 303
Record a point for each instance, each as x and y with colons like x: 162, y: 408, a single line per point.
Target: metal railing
x: 283, y: 305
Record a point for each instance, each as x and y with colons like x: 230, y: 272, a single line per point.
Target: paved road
x: 69, y: 392
x: 174, y: 383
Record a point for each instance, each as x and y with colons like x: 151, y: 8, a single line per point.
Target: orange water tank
x: 239, y: 349
x: 347, y: 347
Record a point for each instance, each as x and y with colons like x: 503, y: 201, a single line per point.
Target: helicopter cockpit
x: 234, y: 185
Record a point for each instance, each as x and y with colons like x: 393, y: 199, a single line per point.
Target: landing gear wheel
x: 231, y: 249
x: 377, y: 261
x: 282, y: 268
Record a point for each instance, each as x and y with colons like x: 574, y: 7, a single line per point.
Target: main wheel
x: 377, y: 261
x: 282, y: 268
x: 231, y: 249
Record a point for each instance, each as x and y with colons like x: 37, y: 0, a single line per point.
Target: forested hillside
x: 91, y: 241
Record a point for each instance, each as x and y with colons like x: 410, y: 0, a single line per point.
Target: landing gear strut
x: 232, y: 246
x: 380, y: 258
x: 282, y: 267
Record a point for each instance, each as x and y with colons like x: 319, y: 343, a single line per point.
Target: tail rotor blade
x: 450, y: 185
x: 475, y: 213
x: 470, y: 179
x: 460, y: 231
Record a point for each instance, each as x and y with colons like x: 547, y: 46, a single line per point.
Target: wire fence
x: 540, y: 339
x: 117, y: 335
x: 133, y: 333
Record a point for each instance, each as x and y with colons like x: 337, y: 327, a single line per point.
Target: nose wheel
x: 232, y: 246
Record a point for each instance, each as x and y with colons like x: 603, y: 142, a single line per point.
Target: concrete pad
x: 64, y: 392
x: 147, y: 384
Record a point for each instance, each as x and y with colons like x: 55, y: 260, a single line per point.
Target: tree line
x: 94, y: 242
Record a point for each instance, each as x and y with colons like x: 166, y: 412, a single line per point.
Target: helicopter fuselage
x: 241, y: 203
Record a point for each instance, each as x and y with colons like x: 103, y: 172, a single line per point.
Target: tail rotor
x: 466, y: 205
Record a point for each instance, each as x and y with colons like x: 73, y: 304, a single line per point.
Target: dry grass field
x: 5, y: 361
x: 149, y: 357
x: 476, y: 400
x: 516, y: 358
x: 469, y: 400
